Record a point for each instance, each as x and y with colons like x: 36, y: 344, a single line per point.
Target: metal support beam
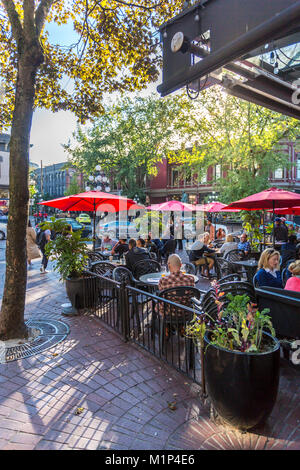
x: 254, y: 38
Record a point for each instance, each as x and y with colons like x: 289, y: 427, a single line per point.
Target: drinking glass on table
x: 163, y: 271
x: 183, y: 269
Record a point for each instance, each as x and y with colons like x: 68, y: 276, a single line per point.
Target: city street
x: 80, y: 395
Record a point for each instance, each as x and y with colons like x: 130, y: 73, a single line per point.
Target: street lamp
x: 98, y: 181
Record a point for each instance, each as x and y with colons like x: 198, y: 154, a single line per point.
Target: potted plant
x: 241, y: 360
x: 71, y: 260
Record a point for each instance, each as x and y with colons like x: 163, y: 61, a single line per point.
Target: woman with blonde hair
x: 268, y: 273
x: 229, y: 245
x: 293, y: 283
x: 33, y: 251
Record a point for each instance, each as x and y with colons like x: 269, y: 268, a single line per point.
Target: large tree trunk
x: 12, y: 314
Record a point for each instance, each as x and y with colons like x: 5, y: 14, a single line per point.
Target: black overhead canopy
x: 230, y: 34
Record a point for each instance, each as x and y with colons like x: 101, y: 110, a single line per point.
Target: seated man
x: 198, y: 255
x: 244, y: 245
x: 141, y: 243
x: 120, y: 248
x: 280, y: 231
x: 288, y: 250
x: 107, y: 243
x: 135, y: 254
x: 175, y: 279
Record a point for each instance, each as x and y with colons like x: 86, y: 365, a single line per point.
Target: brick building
x: 168, y: 184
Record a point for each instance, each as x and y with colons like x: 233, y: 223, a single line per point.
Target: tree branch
x: 14, y: 18
x: 41, y: 14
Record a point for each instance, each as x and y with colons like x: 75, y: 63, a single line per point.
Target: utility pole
x: 42, y: 182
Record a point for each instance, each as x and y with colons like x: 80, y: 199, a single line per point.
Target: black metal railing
x: 144, y: 318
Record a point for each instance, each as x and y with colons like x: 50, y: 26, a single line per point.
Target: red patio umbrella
x: 288, y: 210
x: 92, y: 201
x: 172, y: 206
x: 271, y: 198
x: 214, y: 207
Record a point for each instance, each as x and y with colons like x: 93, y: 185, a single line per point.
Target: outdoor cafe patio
x: 130, y: 302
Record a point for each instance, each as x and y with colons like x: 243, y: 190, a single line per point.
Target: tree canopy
x: 128, y: 141
x: 241, y: 137
x: 117, y: 50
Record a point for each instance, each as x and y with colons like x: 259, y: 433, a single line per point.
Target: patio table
x: 152, y: 279
x: 250, y: 266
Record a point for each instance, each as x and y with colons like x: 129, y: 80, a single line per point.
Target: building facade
x: 169, y: 184
x: 54, y: 180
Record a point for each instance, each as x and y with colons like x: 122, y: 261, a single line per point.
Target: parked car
x: 84, y: 219
x: 3, y: 231
x: 86, y: 229
x: 117, y: 229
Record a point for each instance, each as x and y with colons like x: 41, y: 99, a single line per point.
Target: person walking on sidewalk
x: 33, y: 251
x: 45, y: 238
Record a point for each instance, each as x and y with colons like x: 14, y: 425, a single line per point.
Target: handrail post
x: 124, y: 313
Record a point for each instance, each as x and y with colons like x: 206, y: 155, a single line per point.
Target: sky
x: 50, y: 130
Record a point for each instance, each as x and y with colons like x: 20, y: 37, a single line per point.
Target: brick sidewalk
x: 124, y: 393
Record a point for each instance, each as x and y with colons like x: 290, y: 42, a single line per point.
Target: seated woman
x: 202, y: 255
x: 293, y: 283
x: 220, y: 234
x: 268, y: 273
x: 228, y: 245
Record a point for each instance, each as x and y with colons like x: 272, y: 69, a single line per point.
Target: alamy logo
x: 296, y: 93
x: 295, y: 357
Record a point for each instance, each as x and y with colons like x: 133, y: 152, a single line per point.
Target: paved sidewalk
x: 123, y: 393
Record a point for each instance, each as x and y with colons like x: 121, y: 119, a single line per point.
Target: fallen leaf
x: 79, y: 411
x: 55, y: 354
x: 172, y: 405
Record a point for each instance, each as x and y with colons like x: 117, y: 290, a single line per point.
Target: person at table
x: 244, y: 245
x: 205, y: 238
x: 288, y: 250
x: 198, y: 255
x: 141, y: 243
x: 229, y: 245
x: 220, y: 234
x: 268, y: 273
x: 293, y: 282
x: 120, y: 248
x: 280, y: 231
x: 135, y: 254
x: 107, y: 243
x: 176, y: 278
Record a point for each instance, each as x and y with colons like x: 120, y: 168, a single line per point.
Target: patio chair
x: 145, y: 266
x: 234, y: 255
x: 284, y: 308
x: 104, y: 268
x: 190, y: 268
x: 208, y: 302
x: 122, y: 274
x: 95, y: 256
x: 223, y: 267
x: 172, y: 318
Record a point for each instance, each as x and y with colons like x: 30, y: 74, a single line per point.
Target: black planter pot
x: 242, y: 386
x: 82, y: 291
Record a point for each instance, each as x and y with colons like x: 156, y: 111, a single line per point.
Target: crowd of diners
x: 203, y: 251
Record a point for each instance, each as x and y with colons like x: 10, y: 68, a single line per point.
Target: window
x: 203, y: 179
x: 298, y: 167
x: 278, y: 174
x: 218, y: 172
x: 174, y: 177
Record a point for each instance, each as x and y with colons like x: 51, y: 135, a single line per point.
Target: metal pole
x: 94, y: 234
